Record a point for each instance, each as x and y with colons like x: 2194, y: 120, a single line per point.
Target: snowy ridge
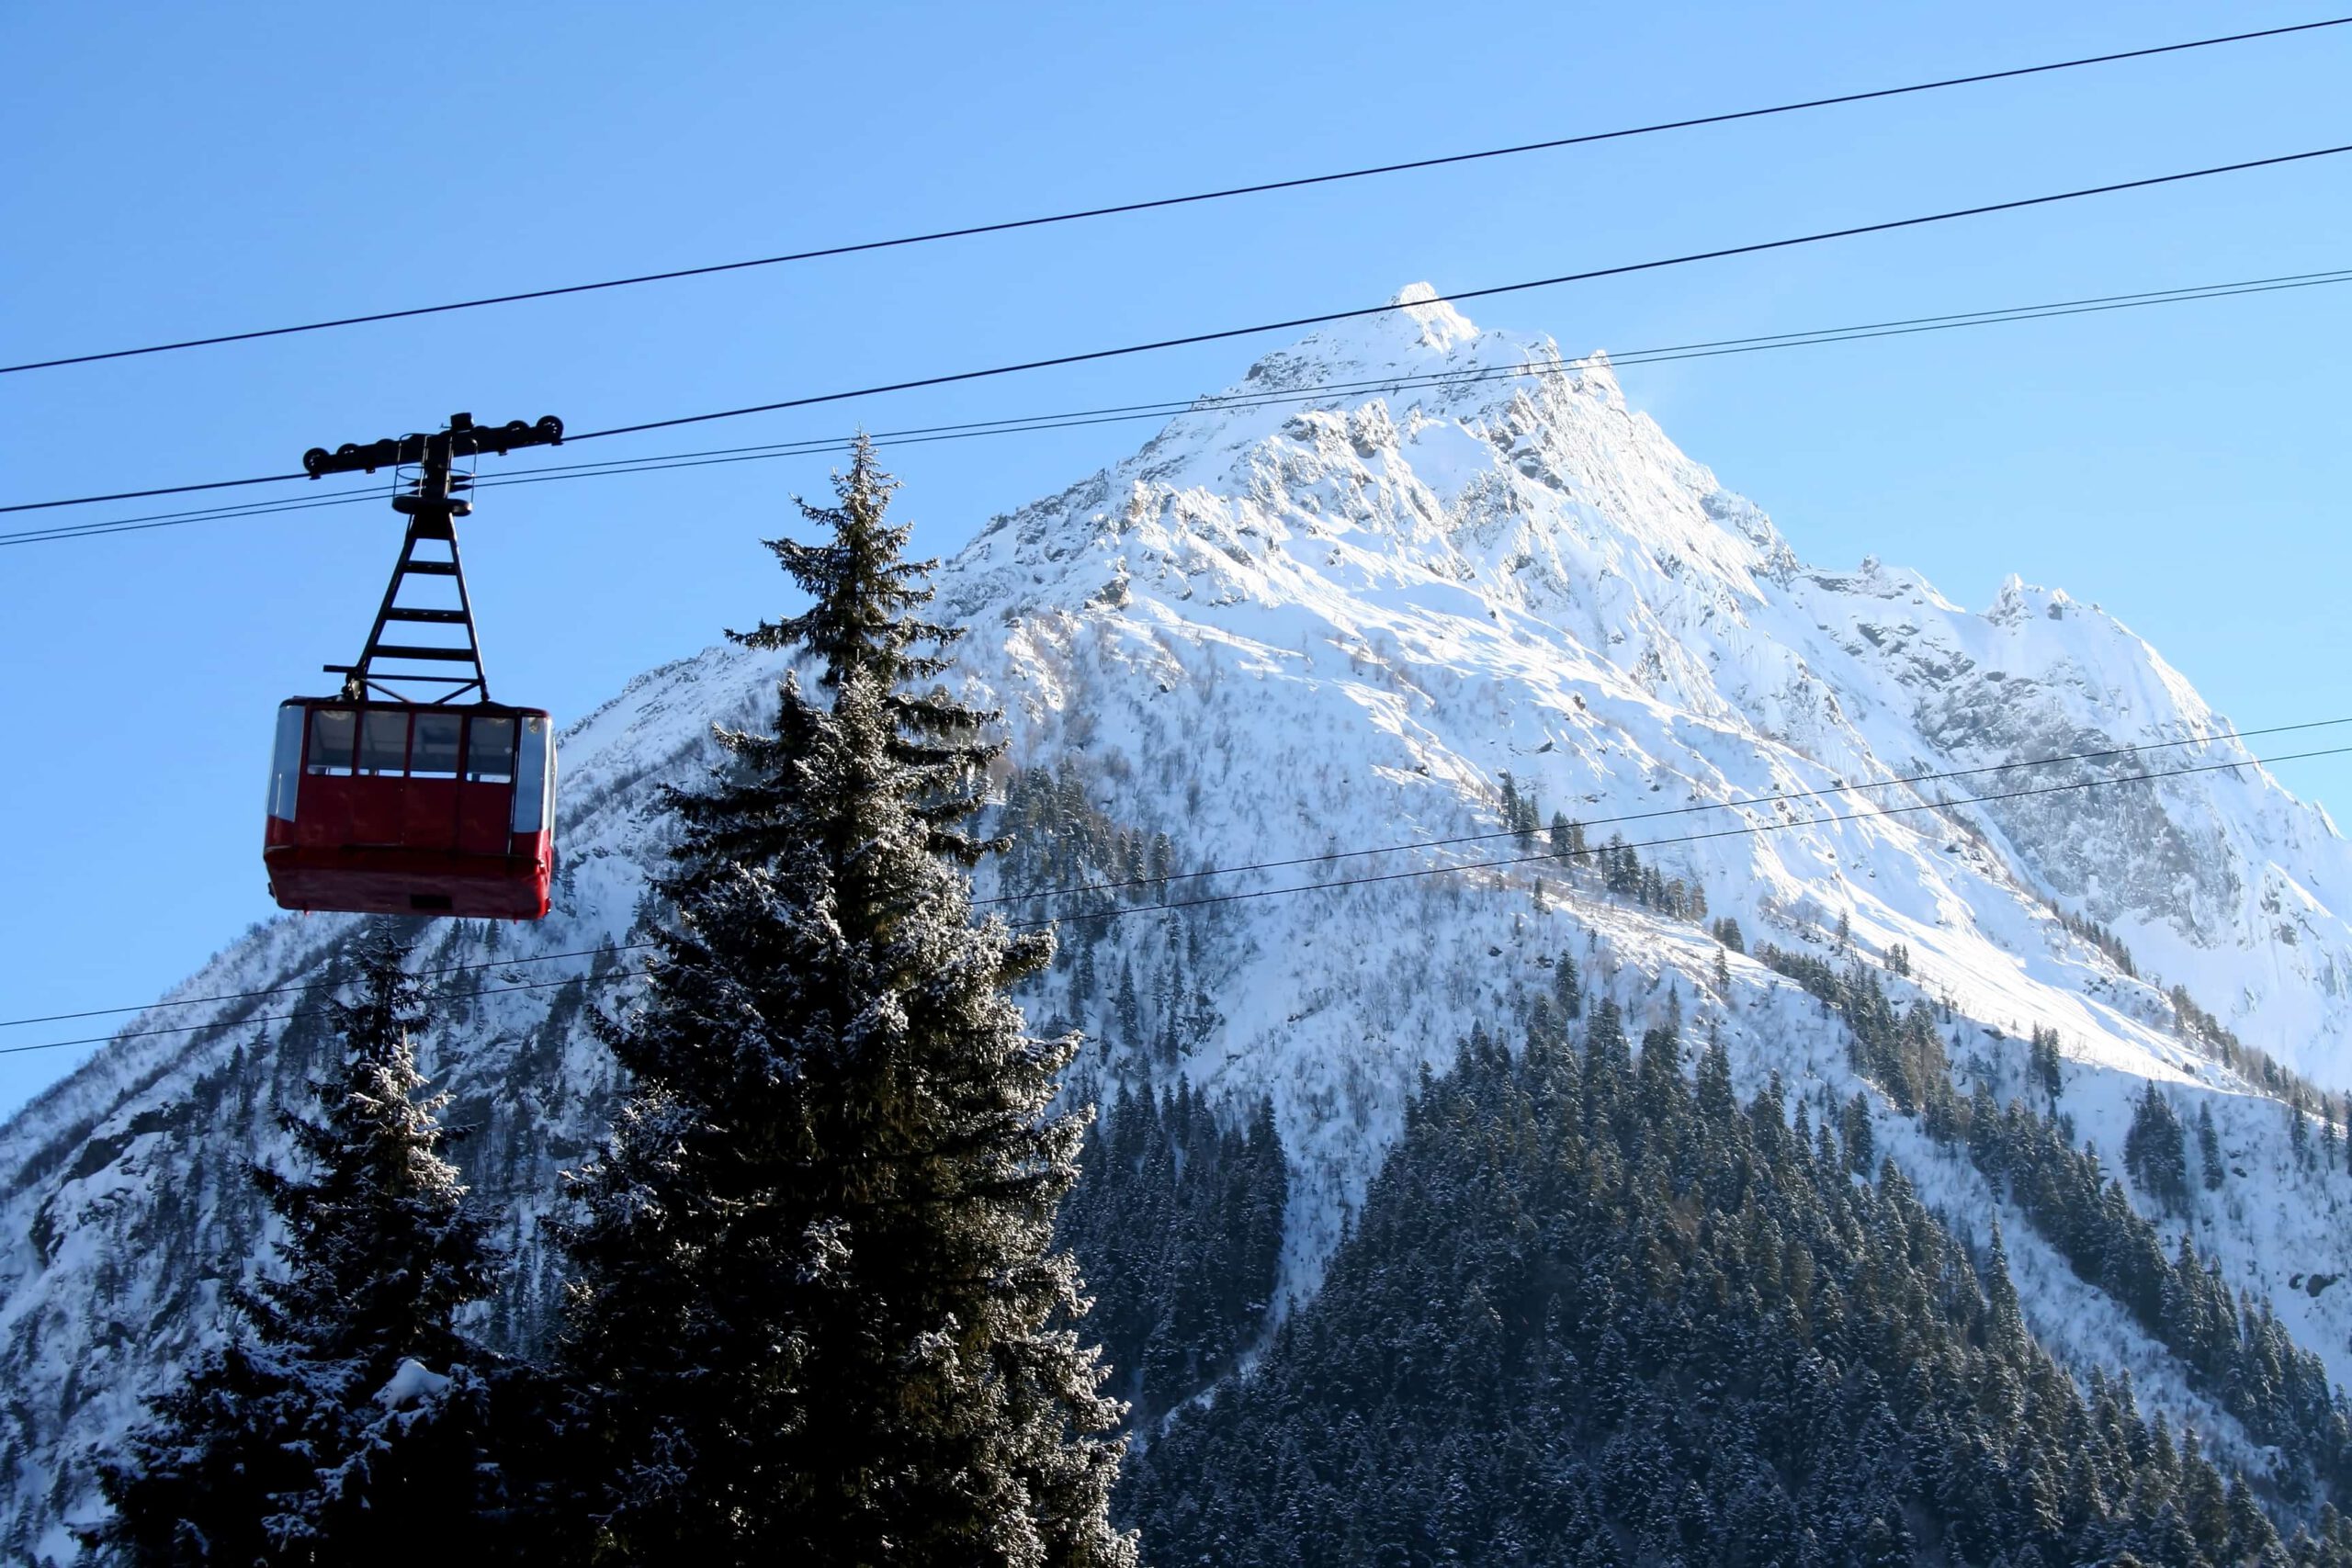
x: 1278, y: 633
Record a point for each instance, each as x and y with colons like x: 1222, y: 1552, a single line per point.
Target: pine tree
x: 1568, y: 985
x: 819, y: 1311
x: 1860, y: 1140
x: 1126, y: 1009
x: 2208, y: 1147
x: 352, y: 1397
x: 1168, y: 998
x: 1082, y: 981
x: 2045, y: 1062
x: 1517, y: 814
x: 2005, y: 1327
x: 2155, y: 1151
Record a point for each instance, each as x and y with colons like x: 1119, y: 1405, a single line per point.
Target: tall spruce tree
x: 351, y: 1398
x: 817, y: 1311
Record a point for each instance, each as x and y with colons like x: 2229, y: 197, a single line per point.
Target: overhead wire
x: 1326, y: 318
x: 266, y: 992
x: 1691, y: 808
x: 1006, y: 426
x: 1335, y: 884
x: 291, y: 1017
x: 150, y: 521
x: 1744, y: 830
x: 1329, y: 317
x: 1116, y: 413
x: 1174, y: 905
x: 1030, y: 894
x: 1221, y: 194
x: 146, y: 494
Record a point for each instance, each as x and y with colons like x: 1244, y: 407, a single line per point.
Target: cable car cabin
x: 411, y: 808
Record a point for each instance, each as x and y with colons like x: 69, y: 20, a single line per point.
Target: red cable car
x: 411, y: 808
x: 385, y: 803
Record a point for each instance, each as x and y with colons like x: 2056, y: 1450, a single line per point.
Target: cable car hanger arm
x: 462, y: 439
x: 432, y: 505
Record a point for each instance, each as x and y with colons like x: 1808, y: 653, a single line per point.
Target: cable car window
x: 286, y: 763
x: 332, y: 731
x: 434, y: 754
x: 534, y: 778
x: 383, y: 741
x: 489, y: 751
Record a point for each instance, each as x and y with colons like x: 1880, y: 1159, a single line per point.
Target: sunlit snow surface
x: 1283, y: 631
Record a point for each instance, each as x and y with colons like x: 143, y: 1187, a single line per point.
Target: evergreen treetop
x: 861, y: 623
x: 353, y: 1398
x: 380, y: 1250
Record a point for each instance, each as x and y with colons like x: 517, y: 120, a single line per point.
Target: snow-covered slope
x: 1290, y: 632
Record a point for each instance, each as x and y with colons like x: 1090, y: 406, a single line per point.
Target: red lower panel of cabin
x: 403, y: 880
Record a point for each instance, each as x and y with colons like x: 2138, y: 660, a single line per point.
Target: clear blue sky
x: 180, y: 170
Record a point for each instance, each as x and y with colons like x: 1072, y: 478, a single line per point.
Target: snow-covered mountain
x: 1296, y: 627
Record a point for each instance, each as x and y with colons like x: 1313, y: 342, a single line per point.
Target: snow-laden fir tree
x: 348, y: 1398
x: 818, y: 1313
